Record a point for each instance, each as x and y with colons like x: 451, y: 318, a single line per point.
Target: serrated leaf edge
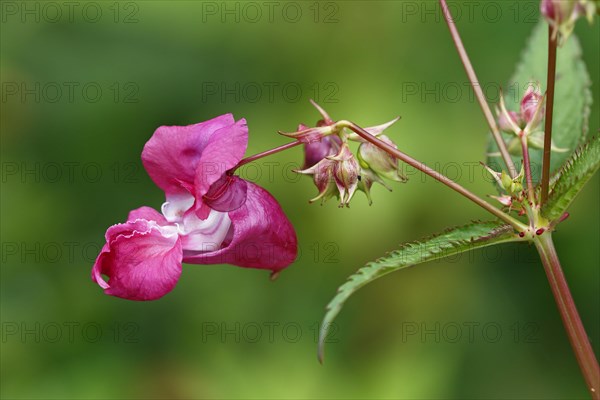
x: 364, y: 270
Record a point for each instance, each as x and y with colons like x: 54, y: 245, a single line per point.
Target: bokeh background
x: 85, y: 85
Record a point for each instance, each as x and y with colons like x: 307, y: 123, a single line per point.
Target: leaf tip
x: 321, y: 351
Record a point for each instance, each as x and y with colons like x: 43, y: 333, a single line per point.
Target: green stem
x: 551, y: 80
x: 434, y: 174
x: 489, y: 117
x: 527, y: 165
x: 568, y: 312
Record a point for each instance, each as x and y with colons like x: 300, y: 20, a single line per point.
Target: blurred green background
x: 84, y: 86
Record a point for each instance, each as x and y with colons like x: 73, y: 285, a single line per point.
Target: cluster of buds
x: 336, y: 171
x: 562, y: 14
x: 526, y: 122
x: 513, y: 189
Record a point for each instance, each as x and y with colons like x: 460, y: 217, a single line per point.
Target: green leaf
x: 452, y: 241
x: 571, y: 178
x: 572, y: 97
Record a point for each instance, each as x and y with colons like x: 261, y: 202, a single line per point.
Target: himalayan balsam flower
x: 209, y: 216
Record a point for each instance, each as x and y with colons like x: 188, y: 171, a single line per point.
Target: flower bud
x: 506, y: 180
x: 345, y: 171
x: 504, y: 200
x: 366, y: 179
x: 322, y: 173
x: 532, y: 106
x: 508, y: 120
x: 557, y: 11
x: 562, y: 14
x: 513, y: 186
x: 340, y: 172
x: 325, y: 126
x: 316, y: 151
x: 373, y: 130
x: 530, y: 113
x: 310, y: 135
x: 380, y: 161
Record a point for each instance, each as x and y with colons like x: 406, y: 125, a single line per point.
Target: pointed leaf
x: 571, y: 178
x: 572, y: 98
x: 450, y: 242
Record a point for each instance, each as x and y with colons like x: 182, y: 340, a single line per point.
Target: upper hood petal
x: 173, y: 153
x: 223, y: 151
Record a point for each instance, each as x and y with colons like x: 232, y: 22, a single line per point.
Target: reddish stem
x: 568, y: 311
x: 265, y: 154
x: 489, y: 117
x: 549, y: 112
x: 434, y: 174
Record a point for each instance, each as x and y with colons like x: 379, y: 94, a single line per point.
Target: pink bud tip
x: 563, y: 217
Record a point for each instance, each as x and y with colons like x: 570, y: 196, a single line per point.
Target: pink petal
x: 262, y: 236
x: 141, y: 259
x: 207, y: 234
x: 227, y: 194
x: 223, y: 151
x: 147, y: 213
x: 176, y: 206
x: 173, y: 153
x: 530, y: 103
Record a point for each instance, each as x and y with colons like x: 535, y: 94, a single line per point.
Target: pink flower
x: 209, y: 217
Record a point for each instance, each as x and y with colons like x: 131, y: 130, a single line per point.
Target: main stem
x: 549, y: 112
x: 477, y: 90
x: 571, y: 320
x: 434, y: 174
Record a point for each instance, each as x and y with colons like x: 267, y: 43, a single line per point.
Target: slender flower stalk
x: 549, y: 112
x: 487, y: 112
x: 265, y: 154
x: 434, y: 174
x: 571, y: 320
x: 527, y: 165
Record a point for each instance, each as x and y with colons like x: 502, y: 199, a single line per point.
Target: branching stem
x: 487, y: 112
x: 519, y: 226
x: 265, y: 154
